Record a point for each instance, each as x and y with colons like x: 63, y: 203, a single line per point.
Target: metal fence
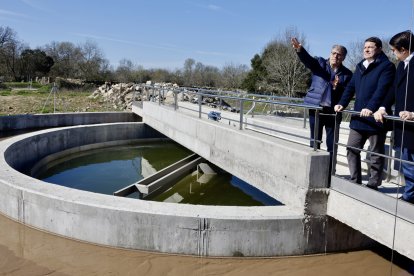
x: 248, y: 102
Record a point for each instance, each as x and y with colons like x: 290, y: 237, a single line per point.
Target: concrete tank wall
x: 33, y: 121
x: 165, y: 227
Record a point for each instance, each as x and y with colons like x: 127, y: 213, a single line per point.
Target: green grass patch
x: 5, y: 93
x: 45, y: 88
x: 22, y: 84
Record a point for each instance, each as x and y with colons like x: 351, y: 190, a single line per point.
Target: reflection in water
x: 25, y: 251
x: 110, y: 169
x: 218, y: 189
x: 107, y: 170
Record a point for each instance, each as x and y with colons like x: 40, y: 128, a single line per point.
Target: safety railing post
x: 304, y: 117
x: 315, y: 131
x: 335, y: 145
x: 199, y: 105
x: 241, y: 113
x: 389, y: 160
x: 175, y: 99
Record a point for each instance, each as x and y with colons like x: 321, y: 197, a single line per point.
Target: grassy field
x: 18, y: 98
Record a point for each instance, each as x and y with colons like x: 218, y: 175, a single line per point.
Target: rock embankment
x: 121, y: 95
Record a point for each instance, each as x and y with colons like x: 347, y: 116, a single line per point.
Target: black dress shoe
x: 409, y: 201
x: 371, y: 187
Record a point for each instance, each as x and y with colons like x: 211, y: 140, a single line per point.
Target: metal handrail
x: 386, y: 156
x: 240, y: 98
x: 244, y: 98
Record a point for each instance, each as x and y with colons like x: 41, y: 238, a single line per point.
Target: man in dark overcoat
x: 370, y: 84
x: 402, y: 44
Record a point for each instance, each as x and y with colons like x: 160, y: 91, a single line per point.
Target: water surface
x: 107, y: 170
x: 26, y: 251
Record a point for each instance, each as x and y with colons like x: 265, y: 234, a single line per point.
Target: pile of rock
x: 121, y: 95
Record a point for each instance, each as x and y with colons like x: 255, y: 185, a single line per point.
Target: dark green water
x: 107, y: 170
x: 222, y: 189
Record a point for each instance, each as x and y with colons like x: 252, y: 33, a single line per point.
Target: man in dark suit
x: 370, y: 84
x: 402, y: 44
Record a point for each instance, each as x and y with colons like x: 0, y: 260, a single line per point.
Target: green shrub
x: 64, y: 84
x: 22, y: 84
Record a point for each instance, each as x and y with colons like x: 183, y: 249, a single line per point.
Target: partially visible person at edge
x: 370, y: 84
x: 402, y: 44
x: 329, y: 79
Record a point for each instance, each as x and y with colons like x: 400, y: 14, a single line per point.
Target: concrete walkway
x: 289, y: 128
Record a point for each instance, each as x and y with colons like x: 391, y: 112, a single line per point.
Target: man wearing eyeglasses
x: 370, y: 84
x: 402, y: 44
x: 329, y: 79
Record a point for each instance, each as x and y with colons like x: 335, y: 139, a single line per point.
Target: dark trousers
x: 327, y: 121
x: 408, y: 171
x: 357, y: 139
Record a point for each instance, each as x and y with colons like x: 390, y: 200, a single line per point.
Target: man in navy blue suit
x: 402, y: 44
x: 370, y: 84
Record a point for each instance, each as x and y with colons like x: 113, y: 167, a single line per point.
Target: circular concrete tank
x: 138, y: 224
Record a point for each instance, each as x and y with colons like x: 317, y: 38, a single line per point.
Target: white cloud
x: 38, y: 5
x: 209, y: 53
x: 214, y: 7
x: 11, y: 13
x: 130, y: 42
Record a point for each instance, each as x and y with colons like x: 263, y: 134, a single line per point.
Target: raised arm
x: 307, y: 60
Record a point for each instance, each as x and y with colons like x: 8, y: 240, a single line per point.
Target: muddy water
x: 26, y: 251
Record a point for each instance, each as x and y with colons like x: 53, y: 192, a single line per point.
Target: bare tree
x: 10, y: 58
x: 93, y: 62
x: 10, y: 49
x: 125, y: 71
x: 356, y: 52
x: 188, y: 72
x: 7, y: 35
x: 233, y: 75
x: 284, y: 71
x: 67, y: 58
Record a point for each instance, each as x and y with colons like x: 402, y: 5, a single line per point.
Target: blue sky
x: 163, y: 33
